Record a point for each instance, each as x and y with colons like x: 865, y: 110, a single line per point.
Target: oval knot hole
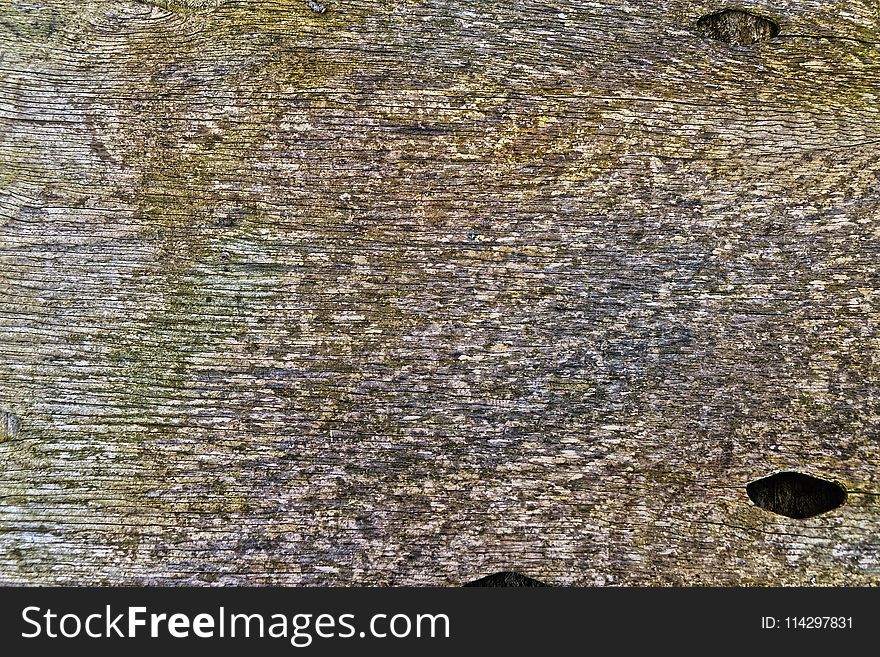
x: 796, y: 495
x: 736, y: 27
x: 505, y: 578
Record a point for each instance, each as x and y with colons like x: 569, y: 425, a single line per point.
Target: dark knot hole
x: 796, y: 495
x: 505, y: 578
x: 736, y: 27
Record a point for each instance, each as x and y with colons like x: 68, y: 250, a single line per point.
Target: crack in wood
x: 830, y: 37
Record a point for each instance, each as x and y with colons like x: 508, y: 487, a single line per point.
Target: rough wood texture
x: 414, y: 293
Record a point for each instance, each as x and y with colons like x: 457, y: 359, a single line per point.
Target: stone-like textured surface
x: 414, y: 293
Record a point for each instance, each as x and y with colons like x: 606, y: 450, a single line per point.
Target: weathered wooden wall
x: 409, y: 293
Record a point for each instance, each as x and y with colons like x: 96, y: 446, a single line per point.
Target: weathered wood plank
x: 414, y: 293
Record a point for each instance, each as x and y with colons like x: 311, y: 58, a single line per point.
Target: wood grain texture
x: 414, y: 293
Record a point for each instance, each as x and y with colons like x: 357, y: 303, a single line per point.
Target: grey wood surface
x: 412, y: 293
